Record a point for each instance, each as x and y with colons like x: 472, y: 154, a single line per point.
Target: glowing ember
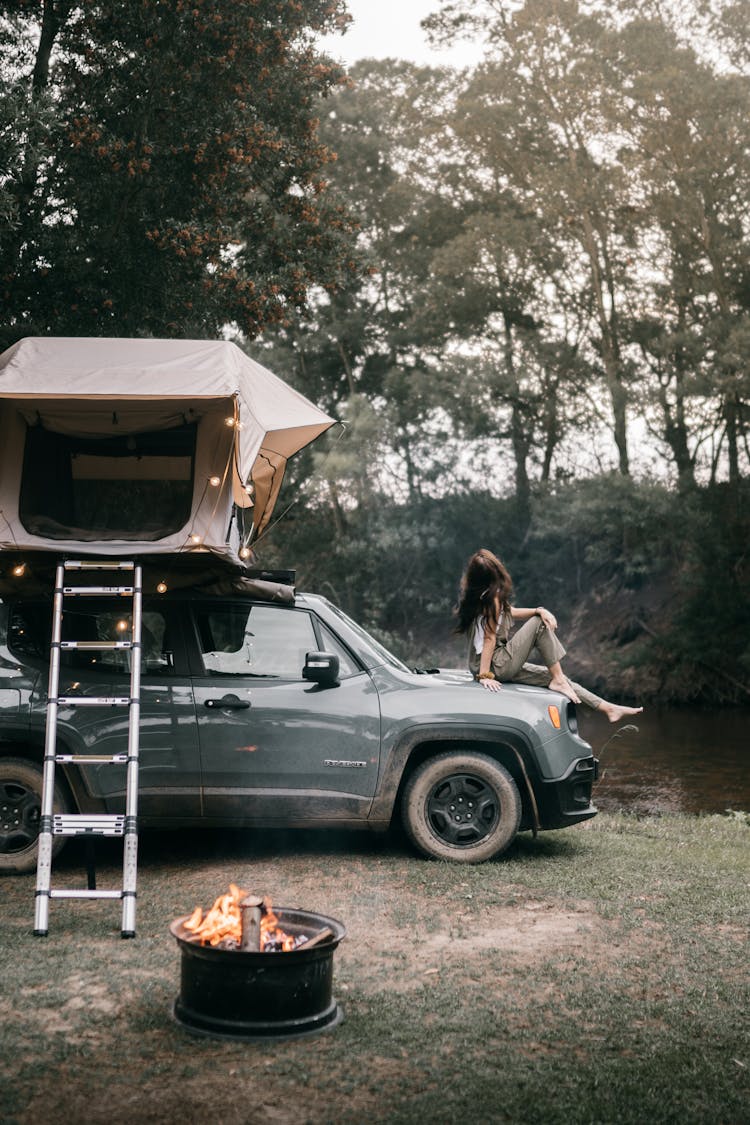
x: 222, y: 924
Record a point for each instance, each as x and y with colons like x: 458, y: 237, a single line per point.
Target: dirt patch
x: 523, y: 934
x: 527, y: 931
x: 81, y: 993
x: 171, y: 1100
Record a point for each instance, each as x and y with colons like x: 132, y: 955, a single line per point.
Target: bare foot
x: 615, y: 712
x: 564, y: 687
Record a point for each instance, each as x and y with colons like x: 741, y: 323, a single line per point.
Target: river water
x: 680, y: 760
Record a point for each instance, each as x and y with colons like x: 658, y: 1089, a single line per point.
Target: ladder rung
x: 74, y: 591
x: 97, y: 824
x: 91, y: 759
x: 85, y: 894
x: 96, y: 646
x: 91, y: 564
x: 94, y: 701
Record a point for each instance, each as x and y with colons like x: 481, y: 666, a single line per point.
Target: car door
x: 275, y: 748
x: 169, y: 769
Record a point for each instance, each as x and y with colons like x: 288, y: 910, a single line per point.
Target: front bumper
x: 567, y: 799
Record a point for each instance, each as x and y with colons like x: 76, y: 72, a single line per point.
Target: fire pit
x: 240, y: 993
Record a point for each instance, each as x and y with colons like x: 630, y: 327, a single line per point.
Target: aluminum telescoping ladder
x: 74, y: 824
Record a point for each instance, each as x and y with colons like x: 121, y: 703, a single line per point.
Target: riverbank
x: 594, y: 974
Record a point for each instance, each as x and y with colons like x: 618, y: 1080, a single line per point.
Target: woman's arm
x: 486, y: 675
x: 548, y: 618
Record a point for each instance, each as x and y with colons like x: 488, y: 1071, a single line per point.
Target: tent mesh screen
x: 133, y: 486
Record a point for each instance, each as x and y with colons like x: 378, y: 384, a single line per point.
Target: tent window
x: 134, y: 486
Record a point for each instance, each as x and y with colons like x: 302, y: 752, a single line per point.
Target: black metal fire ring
x: 242, y: 994
x: 198, y: 1025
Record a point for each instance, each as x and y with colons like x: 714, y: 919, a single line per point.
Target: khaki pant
x: 509, y: 660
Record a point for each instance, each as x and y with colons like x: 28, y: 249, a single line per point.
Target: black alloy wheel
x: 462, y: 806
x: 462, y: 809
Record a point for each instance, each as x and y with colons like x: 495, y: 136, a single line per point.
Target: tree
x: 371, y: 336
x: 170, y: 178
x: 693, y: 187
x: 537, y: 116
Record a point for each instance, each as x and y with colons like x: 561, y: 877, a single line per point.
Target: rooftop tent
x: 144, y: 446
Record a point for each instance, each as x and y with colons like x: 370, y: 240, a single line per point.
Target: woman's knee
x: 539, y: 625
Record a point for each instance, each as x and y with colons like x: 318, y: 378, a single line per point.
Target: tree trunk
x: 53, y: 17
x: 730, y: 415
x: 339, y: 520
x: 675, y: 435
x: 550, y: 423
x: 519, y: 437
x: 609, y: 344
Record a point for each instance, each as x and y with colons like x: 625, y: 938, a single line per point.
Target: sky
x: 390, y: 28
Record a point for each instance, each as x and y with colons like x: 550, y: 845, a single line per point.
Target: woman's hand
x: 548, y: 618
x: 491, y: 685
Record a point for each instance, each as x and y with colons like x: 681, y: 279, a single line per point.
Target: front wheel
x: 20, y: 810
x: 461, y: 806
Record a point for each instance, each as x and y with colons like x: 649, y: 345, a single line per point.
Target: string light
x: 195, y: 538
x: 121, y: 626
x: 245, y: 552
x: 230, y: 422
x: 161, y: 587
x: 19, y: 570
x: 214, y: 481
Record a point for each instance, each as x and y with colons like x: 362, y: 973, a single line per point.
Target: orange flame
x: 223, y: 922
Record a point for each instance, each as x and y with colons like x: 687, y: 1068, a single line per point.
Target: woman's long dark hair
x: 486, y: 587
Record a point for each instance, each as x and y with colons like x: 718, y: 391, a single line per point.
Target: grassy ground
x: 592, y: 975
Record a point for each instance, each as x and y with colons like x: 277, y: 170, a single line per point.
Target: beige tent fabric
x: 251, y: 422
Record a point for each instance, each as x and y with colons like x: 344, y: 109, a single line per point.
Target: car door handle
x: 227, y: 703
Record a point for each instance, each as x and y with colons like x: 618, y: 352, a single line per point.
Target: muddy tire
x: 20, y: 809
x: 462, y: 807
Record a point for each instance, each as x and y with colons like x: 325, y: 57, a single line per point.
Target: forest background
x: 523, y: 287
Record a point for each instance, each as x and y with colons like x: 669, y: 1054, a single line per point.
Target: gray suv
x: 255, y: 713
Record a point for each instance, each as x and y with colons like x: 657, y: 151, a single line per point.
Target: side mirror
x: 321, y: 668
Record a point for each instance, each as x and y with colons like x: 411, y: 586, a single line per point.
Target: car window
x: 31, y: 630
x: 371, y: 646
x: 331, y: 643
x: 237, y: 640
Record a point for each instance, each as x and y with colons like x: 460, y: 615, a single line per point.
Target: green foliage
x: 610, y: 527
x: 678, y: 562
x: 179, y: 183
x: 557, y: 244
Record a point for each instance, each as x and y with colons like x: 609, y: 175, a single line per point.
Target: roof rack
x: 288, y: 577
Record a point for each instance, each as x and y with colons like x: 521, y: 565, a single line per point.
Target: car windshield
x: 372, y: 646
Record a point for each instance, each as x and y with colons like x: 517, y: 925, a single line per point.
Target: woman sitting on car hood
x: 486, y: 616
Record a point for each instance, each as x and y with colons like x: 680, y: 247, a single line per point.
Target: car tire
x: 20, y: 809
x: 461, y: 806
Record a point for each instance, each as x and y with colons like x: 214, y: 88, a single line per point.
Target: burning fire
x: 223, y: 924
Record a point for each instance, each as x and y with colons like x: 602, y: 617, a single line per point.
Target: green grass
x: 624, y: 999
